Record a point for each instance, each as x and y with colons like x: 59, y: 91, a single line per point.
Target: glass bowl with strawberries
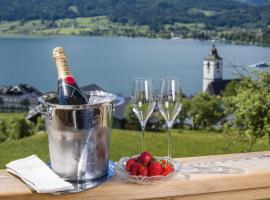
x: 145, y: 168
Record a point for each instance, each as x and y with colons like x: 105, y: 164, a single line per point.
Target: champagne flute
x: 143, y: 102
x: 169, y: 103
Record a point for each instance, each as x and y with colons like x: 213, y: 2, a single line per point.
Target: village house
x: 18, y: 98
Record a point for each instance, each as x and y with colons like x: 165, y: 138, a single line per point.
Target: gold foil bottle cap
x: 60, y: 59
x: 58, y: 52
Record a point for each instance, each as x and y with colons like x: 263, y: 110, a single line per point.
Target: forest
x: 155, y: 13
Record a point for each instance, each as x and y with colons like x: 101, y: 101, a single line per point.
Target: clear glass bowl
x: 120, y: 170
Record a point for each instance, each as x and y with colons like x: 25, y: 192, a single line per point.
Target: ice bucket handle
x: 45, y: 111
x: 46, y: 115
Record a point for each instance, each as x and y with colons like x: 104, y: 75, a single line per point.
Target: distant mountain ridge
x: 256, y: 2
x: 155, y: 13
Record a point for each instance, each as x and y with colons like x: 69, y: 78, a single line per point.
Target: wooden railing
x: 252, y: 182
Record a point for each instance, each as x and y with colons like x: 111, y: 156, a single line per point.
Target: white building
x: 212, y: 68
x: 18, y: 98
x: 213, y: 82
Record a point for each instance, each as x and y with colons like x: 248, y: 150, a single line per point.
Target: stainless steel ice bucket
x: 79, y: 138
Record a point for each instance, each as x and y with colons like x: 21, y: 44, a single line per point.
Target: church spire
x: 213, y: 54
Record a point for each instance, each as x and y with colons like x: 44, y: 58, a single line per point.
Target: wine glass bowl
x: 169, y: 107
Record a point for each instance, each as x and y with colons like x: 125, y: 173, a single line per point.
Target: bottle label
x: 65, y: 68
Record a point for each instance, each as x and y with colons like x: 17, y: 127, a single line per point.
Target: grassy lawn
x: 126, y: 143
x: 10, y: 116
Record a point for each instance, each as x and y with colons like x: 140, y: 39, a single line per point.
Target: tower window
x: 208, y: 66
x: 217, y: 65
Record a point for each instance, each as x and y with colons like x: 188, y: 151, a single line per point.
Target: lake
x: 112, y: 62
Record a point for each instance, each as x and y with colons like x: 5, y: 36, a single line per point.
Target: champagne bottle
x: 68, y: 91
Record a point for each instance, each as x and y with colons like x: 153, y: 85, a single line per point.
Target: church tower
x: 212, y: 68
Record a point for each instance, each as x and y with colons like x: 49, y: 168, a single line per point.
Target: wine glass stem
x: 169, y: 143
x: 142, y: 138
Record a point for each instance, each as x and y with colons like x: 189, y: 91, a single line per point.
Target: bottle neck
x: 62, y: 68
x: 68, y: 80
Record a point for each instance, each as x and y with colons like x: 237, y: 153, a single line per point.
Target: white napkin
x: 36, y: 174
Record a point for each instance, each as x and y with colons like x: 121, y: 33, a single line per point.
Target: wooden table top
x: 252, y: 183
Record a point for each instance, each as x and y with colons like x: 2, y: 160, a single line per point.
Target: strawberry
x: 167, y: 169
x: 163, y: 162
x: 146, y: 157
x: 135, y: 169
x: 130, y: 163
x: 155, y: 168
x: 143, y: 171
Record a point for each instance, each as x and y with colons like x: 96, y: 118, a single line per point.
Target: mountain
x: 256, y: 2
x: 155, y: 13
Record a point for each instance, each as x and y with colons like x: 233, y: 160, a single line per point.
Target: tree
x: 20, y: 128
x: 186, y: 104
x: 3, y: 130
x: 205, y: 110
x: 131, y: 121
x: 154, y: 123
x: 22, y: 22
x: 250, y: 108
x: 40, y: 125
x: 230, y: 89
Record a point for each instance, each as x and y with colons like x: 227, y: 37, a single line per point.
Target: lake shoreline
x: 102, y: 26
x: 40, y: 36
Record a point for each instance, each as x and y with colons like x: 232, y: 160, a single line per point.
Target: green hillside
x: 256, y: 2
x: 230, y: 20
x: 76, y: 26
